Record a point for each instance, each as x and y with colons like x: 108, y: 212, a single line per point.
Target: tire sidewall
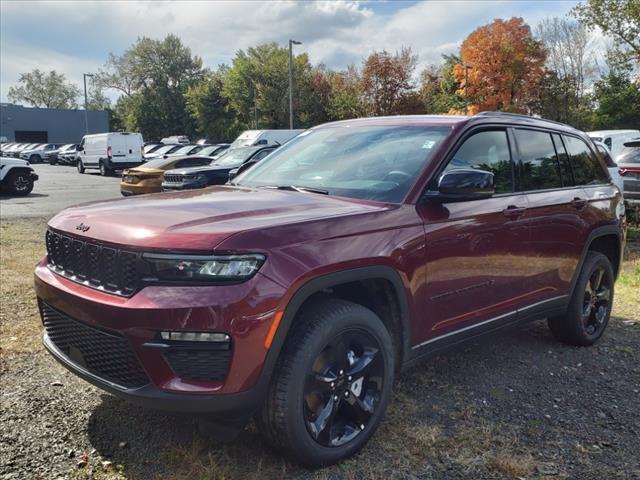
x: 80, y: 166
x: 12, y: 184
x: 362, y: 319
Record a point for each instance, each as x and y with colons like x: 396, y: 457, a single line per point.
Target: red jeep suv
x: 295, y: 294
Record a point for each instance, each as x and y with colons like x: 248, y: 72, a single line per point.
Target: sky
x: 73, y: 37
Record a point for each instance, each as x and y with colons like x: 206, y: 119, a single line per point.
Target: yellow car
x: 147, y: 178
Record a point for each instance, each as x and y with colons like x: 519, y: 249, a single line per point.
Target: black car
x: 217, y: 172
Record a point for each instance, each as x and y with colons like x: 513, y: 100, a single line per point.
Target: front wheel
x: 331, y: 385
x: 590, y: 306
x: 19, y: 183
x: 80, y: 166
x: 35, y: 159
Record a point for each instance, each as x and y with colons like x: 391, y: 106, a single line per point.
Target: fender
x: 597, y: 233
x: 331, y: 280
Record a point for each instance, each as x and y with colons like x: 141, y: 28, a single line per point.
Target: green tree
x: 210, y: 109
x: 345, y: 98
x: 40, y: 89
x: 154, y: 76
x: 439, y: 87
x: 618, y: 100
x: 257, y: 85
x: 619, y: 19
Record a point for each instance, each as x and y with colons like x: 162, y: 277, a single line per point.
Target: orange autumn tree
x: 505, y: 66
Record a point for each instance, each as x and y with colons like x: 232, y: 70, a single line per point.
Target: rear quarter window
x: 587, y: 169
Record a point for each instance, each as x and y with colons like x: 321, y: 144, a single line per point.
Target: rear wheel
x: 35, y: 159
x: 19, y: 182
x: 104, y: 170
x: 590, y: 307
x: 53, y: 160
x: 331, y: 385
x: 80, y: 166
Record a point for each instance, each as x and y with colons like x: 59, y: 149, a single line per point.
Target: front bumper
x: 186, y: 185
x: 243, y: 311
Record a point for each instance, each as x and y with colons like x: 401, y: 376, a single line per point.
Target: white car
x: 250, y: 138
x: 37, y: 154
x: 612, y: 166
x: 175, y: 139
x: 110, y: 151
x: 16, y: 176
x: 614, y: 139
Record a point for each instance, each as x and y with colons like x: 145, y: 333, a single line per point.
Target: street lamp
x: 466, y: 82
x: 86, y: 102
x: 291, y: 44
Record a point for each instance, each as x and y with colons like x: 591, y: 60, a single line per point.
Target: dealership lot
x: 59, y: 187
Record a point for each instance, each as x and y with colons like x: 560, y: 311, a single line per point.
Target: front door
x: 476, y: 258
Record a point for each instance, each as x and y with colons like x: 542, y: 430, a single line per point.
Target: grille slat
x: 94, y: 265
x: 106, y: 355
x: 173, y: 178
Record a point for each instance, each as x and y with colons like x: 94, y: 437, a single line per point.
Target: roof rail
x: 517, y: 115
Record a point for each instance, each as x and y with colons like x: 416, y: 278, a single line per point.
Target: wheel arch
x: 357, y: 285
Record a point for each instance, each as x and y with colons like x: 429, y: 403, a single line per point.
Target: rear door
x: 475, y: 250
x: 119, y: 148
x: 553, y: 217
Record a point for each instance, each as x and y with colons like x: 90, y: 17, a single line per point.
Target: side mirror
x: 462, y: 184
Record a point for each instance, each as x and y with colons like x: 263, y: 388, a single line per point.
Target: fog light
x: 195, y: 336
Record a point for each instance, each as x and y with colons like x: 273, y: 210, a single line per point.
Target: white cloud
x: 74, y: 37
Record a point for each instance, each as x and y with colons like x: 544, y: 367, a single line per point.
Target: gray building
x: 48, y: 125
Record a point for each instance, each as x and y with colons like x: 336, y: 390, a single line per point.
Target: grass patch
x: 21, y: 247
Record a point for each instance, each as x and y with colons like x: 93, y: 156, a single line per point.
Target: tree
x: 506, y: 65
x: 345, y: 100
x: 210, y: 108
x: 439, y: 87
x: 96, y: 98
x: 386, y: 80
x: 618, y: 100
x: 619, y: 19
x: 45, y: 90
x: 571, y: 68
x: 154, y: 76
x: 257, y: 84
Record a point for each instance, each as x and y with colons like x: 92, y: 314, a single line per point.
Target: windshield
x: 207, y: 151
x: 186, y: 149
x: 158, y: 162
x: 165, y: 149
x: 374, y: 163
x: 236, y: 156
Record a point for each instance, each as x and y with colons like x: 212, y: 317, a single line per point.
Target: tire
x: 53, y: 160
x: 590, y: 307
x: 35, y: 159
x: 19, y: 183
x: 323, y: 331
x: 80, y: 166
x: 104, y: 171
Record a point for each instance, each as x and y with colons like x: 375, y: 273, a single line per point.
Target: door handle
x: 578, y: 202
x: 512, y: 211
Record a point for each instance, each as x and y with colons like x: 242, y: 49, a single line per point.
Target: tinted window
x: 539, y: 167
x: 587, y: 169
x: 261, y: 155
x: 487, y: 151
x: 565, y: 164
x: 192, y: 162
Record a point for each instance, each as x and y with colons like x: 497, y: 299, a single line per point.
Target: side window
x: 565, y: 164
x: 539, y: 169
x: 260, y: 155
x: 587, y: 169
x: 607, y: 142
x: 489, y: 151
x: 191, y: 162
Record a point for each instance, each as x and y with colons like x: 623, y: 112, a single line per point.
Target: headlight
x: 197, y: 268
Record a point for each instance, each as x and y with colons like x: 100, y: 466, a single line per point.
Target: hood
x: 198, y: 220
x: 203, y: 169
x: 4, y: 161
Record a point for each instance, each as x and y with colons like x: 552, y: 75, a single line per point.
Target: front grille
x: 173, y: 178
x: 106, y: 355
x: 94, y: 265
x: 204, y: 365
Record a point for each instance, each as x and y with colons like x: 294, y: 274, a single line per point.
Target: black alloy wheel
x: 597, y: 301
x: 343, y: 388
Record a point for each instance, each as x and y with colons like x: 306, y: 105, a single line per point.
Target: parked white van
x: 250, y: 138
x: 109, y: 151
x: 614, y: 139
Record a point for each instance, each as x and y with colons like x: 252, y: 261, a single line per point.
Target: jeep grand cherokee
x: 295, y: 295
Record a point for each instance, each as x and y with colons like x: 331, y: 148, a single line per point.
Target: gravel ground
x: 519, y: 405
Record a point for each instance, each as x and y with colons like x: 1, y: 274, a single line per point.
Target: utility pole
x: 86, y: 102
x: 466, y: 82
x: 291, y: 44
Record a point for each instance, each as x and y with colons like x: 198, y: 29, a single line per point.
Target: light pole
x: 466, y: 82
x: 86, y: 102
x: 291, y: 44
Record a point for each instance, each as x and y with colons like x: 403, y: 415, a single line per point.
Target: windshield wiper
x: 295, y: 188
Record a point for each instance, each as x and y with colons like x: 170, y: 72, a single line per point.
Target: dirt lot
x: 519, y: 405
